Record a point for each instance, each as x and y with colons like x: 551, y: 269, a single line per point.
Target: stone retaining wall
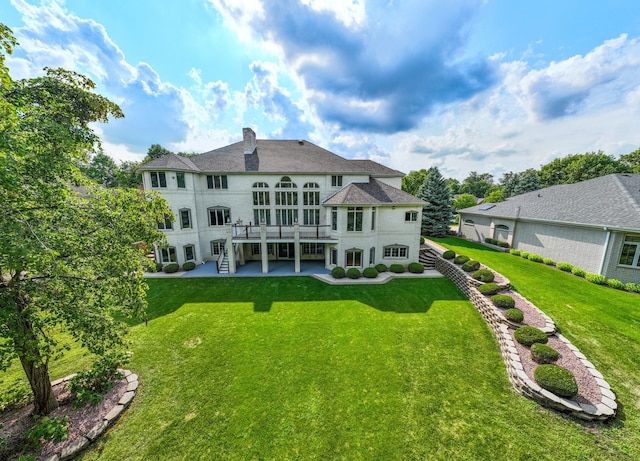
x: 515, y: 371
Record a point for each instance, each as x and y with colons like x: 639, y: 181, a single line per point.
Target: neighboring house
x: 283, y: 200
x: 594, y: 224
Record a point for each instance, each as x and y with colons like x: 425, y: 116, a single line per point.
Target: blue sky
x: 464, y: 85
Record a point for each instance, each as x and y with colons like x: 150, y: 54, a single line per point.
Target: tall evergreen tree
x: 438, y: 212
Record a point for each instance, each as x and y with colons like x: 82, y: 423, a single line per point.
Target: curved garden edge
x: 520, y: 380
x: 83, y: 441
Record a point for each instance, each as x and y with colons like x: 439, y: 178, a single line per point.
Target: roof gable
x: 372, y: 193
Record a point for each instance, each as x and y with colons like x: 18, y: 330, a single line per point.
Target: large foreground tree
x: 70, y: 250
x: 438, y: 213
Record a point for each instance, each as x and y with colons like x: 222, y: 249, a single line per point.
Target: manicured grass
x: 291, y: 368
x: 602, y: 322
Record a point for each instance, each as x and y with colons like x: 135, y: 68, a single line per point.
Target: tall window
x: 333, y: 256
x: 372, y: 256
x: 396, y: 251
x: 217, y: 247
x: 353, y: 258
x: 185, y: 218
x: 158, y: 179
x: 411, y: 216
x: 286, y: 216
x: 261, y: 202
x: 354, y: 218
x: 373, y: 218
x: 166, y: 224
x: 311, y: 217
x: 336, y: 181
x: 180, y: 178
x: 630, y: 255
x: 217, y: 181
x: 311, y: 202
x: 286, y: 198
x: 218, y: 216
x: 189, y: 253
x: 334, y: 218
x: 168, y: 255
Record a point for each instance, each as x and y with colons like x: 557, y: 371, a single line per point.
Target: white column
x: 263, y: 248
x: 296, y: 246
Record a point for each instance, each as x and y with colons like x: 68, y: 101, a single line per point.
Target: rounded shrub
x: 617, y: 284
x: 449, y: 254
x: 504, y: 301
x: 171, y: 268
x: 471, y: 266
x: 525, y: 254
x: 396, y: 268
x: 416, y: 268
x: 549, y: 261
x: 565, y: 267
x: 595, y: 278
x: 503, y: 244
x: 578, y: 272
x: 461, y: 259
x: 489, y: 289
x: 633, y: 287
x: 353, y: 273
x: 556, y: 379
x: 189, y: 266
x: 514, y: 252
x: 535, y: 258
x: 421, y: 240
x: 490, y: 241
x: 381, y: 267
x: 527, y: 335
x: 541, y: 353
x: 338, y: 272
x: 370, y: 272
x: 484, y: 275
x: 158, y: 267
x: 514, y: 315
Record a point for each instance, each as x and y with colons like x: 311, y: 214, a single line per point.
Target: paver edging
x: 518, y: 378
x: 82, y: 442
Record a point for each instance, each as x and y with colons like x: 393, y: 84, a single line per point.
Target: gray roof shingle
x: 372, y: 193
x: 608, y: 201
x: 271, y: 156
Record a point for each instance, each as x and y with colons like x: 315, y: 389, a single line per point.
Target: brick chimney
x: 249, y: 140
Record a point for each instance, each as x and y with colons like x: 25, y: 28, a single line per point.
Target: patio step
x: 427, y: 259
x: 224, y: 264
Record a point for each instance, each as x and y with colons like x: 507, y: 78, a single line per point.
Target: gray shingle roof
x: 271, y: 156
x: 372, y: 193
x: 608, y: 201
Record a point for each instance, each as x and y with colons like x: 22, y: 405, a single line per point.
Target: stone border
x: 82, y: 442
x: 515, y: 371
x: 382, y: 277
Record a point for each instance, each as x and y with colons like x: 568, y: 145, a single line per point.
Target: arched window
x: 261, y: 203
x: 502, y: 227
x: 286, y: 183
x: 469, y: 222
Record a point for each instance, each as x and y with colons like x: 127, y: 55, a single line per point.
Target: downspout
x: 604, y: 251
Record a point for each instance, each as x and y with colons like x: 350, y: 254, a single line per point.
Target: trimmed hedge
x: 354, y: 273
x: 535, y: 258
x: 338, y: 272
x: 556, y: 379
x: 471, y: 266
x: 449, y: 254
x: 541, y: 353
x: 490, y: 241
x: 416, y: 268
x: 527, y: 335
x: 514, y: 252
x: 171, y: 268
x: 396, y: 268
x: 461, y: 259
x: 565, y: 267
x: 504, y: 301
x: 489, y: 289
x: 189, y: 266
x: 633, y: 287
x: 525, y: 254
x: 503, y: 244
x: 515, y: 315
x: 617, y: 284
x: 578, y: 272
x: 484, y: 275
x: 381, y: 267
x: 370, y: 272
x: 549, y: 261
x: 595, y: 278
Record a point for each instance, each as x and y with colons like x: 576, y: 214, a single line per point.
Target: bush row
x: 568, y: 267
x: 500, y: 243
x: 372, y: 272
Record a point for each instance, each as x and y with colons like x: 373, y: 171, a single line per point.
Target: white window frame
x: 354, y: 218
x: 411, y: 216
x: 396, y: 252
x: 217, y: 247
x: 193, y: 252
x: 168, y: 255
x: 631, y: 241
x: 352, y: 253
x: 226, y: 214
x: 158, y: 179
x: 336, y: 180
x: 167, y: 224
x: 179, y: 175
x: 188, y: 215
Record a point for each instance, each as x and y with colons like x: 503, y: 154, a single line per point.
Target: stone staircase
x: 427, y: 258
x: 223, y: 268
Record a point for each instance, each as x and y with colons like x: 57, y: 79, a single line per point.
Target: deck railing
x: 252, y: 231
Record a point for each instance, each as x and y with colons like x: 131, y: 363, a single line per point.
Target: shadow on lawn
x: 406, y: 296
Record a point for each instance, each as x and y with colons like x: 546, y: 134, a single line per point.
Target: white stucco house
x: 594, y: 224
x: 288, y: 200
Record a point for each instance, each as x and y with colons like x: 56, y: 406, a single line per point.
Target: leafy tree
x: 495, y: 196
x: 477, y: 184
x: 579, y: 167
x: 154, y: 152
x: 412, y: 182
x: 437, y: 214
x: 102, y: 169
x: 127, y: 176
x: 464, y: 201
x: 519, y: 183
x: 454, y: 186
x: 632, y: 160
x: 69, y: 248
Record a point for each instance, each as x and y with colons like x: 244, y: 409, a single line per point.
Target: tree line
x: 565, y: 170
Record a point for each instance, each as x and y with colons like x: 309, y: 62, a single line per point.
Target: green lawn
x: 291, y: 368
